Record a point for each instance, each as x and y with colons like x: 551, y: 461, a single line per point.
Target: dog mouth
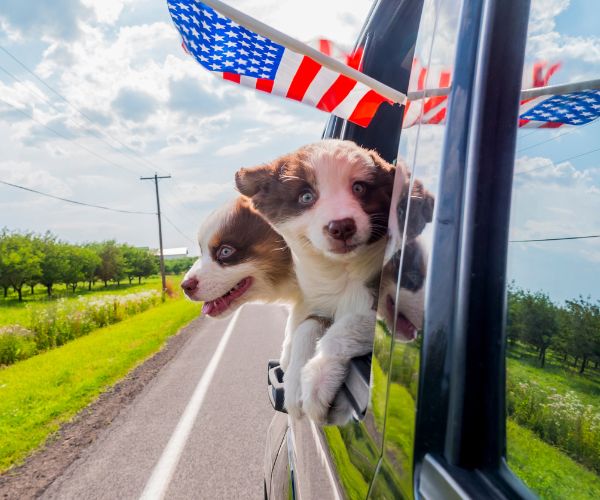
x: 219, y: 305
x: 405, y: 329
x: 344, y: 248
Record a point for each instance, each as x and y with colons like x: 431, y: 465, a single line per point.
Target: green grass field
x: 13, y: 312
x: 39, y: 394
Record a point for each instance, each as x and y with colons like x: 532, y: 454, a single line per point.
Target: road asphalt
x: 222, y: 455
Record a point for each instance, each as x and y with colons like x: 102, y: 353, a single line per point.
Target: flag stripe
x: 366, y: 109
x: 306, y: 73
x: 232, y: 77
x: 336, y: 93
x: 290, y: 62
x: 322, y: 82
x: 264, y: 85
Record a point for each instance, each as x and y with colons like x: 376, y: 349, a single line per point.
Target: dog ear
x: 250, y: 180
x: 426, y: 200
x: 381, y: 163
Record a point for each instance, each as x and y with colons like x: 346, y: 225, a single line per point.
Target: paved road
x: 221, y: 456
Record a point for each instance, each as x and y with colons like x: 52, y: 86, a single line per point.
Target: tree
x: 112, y: 264
x: 90, y: 261
x: 54, y: 261
x: 74, y: 270
x: 140, y: 263
x: 539, y: 322
x: 19, y: 261
x: 585, y: 324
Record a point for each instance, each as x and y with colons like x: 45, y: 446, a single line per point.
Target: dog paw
x: 322, y: 378
x: 341, y: 410
x: 292, y: 392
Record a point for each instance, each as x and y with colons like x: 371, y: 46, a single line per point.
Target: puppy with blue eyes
x: 330, y: 202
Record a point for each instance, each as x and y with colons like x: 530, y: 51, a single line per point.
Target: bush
x: 559, y: 419
x: 16, y: 343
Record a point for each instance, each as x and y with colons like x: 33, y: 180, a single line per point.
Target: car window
x: 553, y: 322
x: 402, y: 292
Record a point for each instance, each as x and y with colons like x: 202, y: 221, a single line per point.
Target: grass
x: 13, y: 312
x: 547, y: 471
x: 39, y: 394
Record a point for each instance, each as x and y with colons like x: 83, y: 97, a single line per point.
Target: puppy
x: 330, y: 202
x: 241, y: 260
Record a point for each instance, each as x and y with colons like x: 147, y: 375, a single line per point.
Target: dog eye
x: 225, y: 251
x: 306, y: 197
x: 359, y: 188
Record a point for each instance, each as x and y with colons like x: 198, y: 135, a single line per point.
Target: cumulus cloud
x: 134, y: 105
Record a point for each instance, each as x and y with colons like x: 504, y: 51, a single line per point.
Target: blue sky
x: 153, y: 108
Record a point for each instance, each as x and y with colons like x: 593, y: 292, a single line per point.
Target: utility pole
x: 155, y: 178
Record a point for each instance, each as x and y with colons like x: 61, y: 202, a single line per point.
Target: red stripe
x: 366, y: 108
x: 336, y: 93
x: 438, y: 117
x: 264, y: 84
x: 302, y: 79
x: 421, y: 82
x: 552, y: 125
x: 232, y: 77
x: 523, y: 122
x: 325, y: 46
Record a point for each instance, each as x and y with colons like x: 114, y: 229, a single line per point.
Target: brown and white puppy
x: 330, y: 202
x: 242, y: 259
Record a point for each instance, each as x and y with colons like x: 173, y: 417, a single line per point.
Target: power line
x: 558, y: 239
x: 67, y: 138
x: 178, y: 230
x: 75, y: 202
x: 567, y: 132
x: 558, y: 162
x: 75, y: 108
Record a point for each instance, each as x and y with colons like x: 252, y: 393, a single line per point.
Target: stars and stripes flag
x: 252, y: 54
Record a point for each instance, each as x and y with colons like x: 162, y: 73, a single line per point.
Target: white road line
x: 159, y: 481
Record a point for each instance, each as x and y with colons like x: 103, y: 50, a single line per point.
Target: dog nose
x: 341, y: 229
x: 189, y: 285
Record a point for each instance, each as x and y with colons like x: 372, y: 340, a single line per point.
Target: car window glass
x: 553, y: 321
x: 402, y: 291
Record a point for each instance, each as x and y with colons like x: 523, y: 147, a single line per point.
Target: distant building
x: 173, y: 253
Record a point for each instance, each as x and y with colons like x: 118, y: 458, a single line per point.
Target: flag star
x: 257, y: 45
x: 587, y: 113
x: 205, y: 36
x: 273, y: 48
x: 268, y: 61
x: 203, y: 58
x: 230, y: 44
x: 219, y: 15
x: 252, y: 69
x: 589, y: 100
x: 241, y: 70
x: 246, y: 35
x: 195, y: 9
x: 204, y: 48
x: 272, y: 55
x: 220, y: 26
x: 207, y: 13
x: 562, y: 111
x: 570, y: 115
x: 257, y: 54
x: 258, y: 37
x: 264, y: 75
x: 217, y: 57
x: 195, y: 32
x: 195, y: 21
x: 184, y: 17
x: 596, y: 106
x: 577, y: 121
x: 185, y: 28
x: 193, y: 45
x: 228, y: 63
x: 172, y: 7
x: 215, y: 66
x: 219, y: 38
x: 254, y: 61
x: 206, y: 26
x: 229, y: 53
x: 218, y: 48
x: 244, y: 52
x: 245, y: 44
x: 183, y: 6
x: 232, y: 34
x: 240, y: 61
x: 233, y: 24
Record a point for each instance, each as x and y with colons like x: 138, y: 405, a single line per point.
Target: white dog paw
x: 293, y: 392
x: 322, y: 377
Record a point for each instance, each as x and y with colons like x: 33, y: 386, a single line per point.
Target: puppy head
x: 403, y: 313
x: 332, y: 196
x: 242, y: 259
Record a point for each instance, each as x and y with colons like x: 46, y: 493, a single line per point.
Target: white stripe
x: 434, y: 111
x: 414, y: 113
x: 538, y: 124
x: 248, y: 81
x: 157, y: 485
x: 320, y: 84
x: 345, y: 108
x: 290, y: 62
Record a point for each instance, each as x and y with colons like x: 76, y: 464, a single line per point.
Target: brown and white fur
x: 330, y: 202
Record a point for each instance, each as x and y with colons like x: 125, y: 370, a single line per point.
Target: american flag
x: 575, y: 108
x: 242, y: 56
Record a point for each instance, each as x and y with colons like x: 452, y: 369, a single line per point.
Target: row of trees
x: 571, y: 331
x: 28, y: 259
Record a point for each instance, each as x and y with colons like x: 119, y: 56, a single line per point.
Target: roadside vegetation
x: 39, y: 394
